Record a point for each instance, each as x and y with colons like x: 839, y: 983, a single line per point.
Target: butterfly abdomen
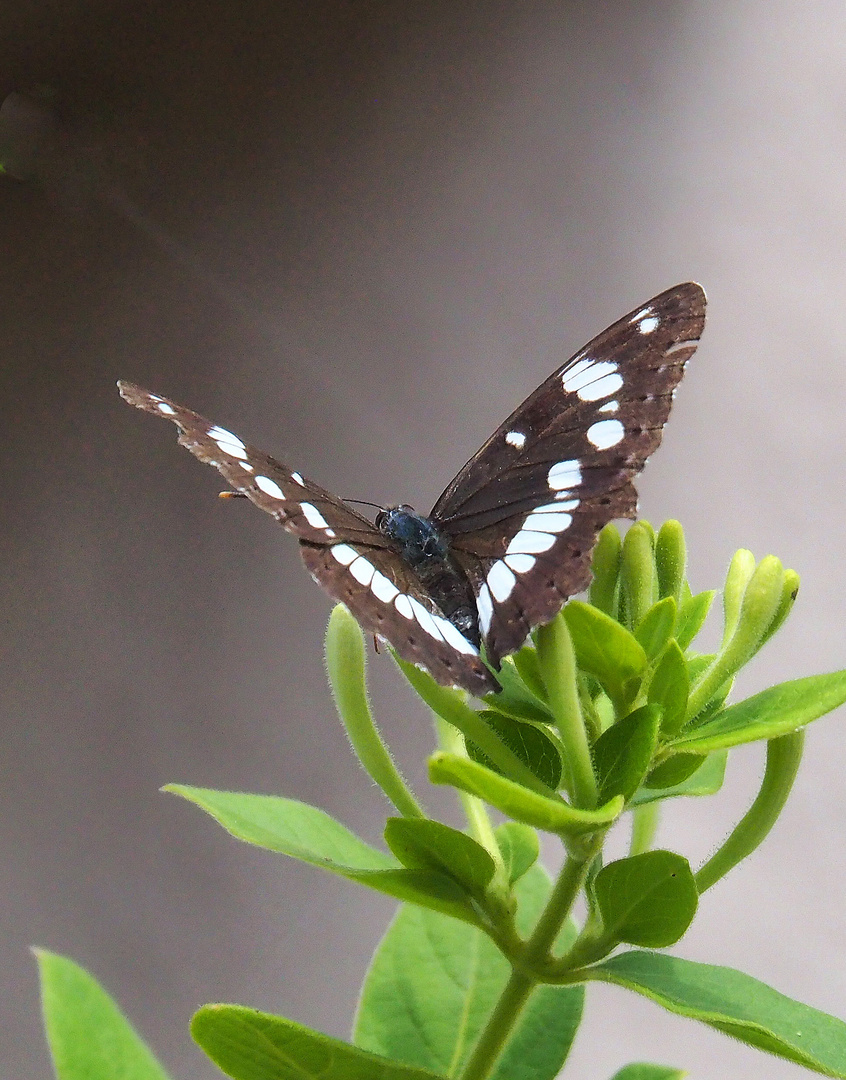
x: 426, y: 551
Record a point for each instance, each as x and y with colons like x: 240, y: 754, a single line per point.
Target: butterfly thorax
x: 426, y: 551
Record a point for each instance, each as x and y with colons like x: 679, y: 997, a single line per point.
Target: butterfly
x: 510, y: 539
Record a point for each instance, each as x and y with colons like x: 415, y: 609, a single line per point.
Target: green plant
x: 482, y: 973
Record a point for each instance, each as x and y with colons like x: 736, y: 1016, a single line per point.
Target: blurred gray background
x: 358, y: 234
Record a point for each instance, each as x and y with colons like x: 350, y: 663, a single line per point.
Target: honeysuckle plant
x: 608, y: 712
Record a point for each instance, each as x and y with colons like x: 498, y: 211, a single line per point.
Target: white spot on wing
x: 500, y: 581
x: 453, y: 636
x: 231, y: 449
x: 609, y: 406
x: 270, y: 487
x: 484, y: 605
x: 649, y: 324
x: 383, y: 588
x: 221, y: 435
x: 564, y: 474
x: 313, y: 516
x: 601, y: 388
x: 516, y: 439
x: 246, y: 466
x: 586, y: 375
x: 403, y: 606
x: 520, y: 564
x: 606, y: 433
x: 362, y: 570
x: 344, y: 554
x: 529, y: 542
x: 557, y: 507
x: 168, y: 410
x: 426, y: 619
x: 548, y: 523
x: 295, y: 476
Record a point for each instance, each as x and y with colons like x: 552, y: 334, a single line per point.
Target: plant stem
x: 452, y: 741
x: 783, y: 757
x: 523, y: 979
x: 644, y: 826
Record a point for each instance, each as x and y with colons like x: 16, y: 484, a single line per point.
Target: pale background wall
x: 358, y: 234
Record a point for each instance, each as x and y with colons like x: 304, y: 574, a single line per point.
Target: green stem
x: 524, y: 979
x: 783, y: 757
x: 644, y: 826
x: 481, y: 829
x: 558, y: 669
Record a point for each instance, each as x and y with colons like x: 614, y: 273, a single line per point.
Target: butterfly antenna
x: 364, y: 502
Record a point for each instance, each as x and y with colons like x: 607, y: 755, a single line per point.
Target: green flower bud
x: 670, y: 560
x: 740, y: 570
x: 638, y: 572
x: 605, y: 564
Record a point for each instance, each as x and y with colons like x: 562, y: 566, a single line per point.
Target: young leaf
x: 648, y: 899
x: 623, y: 753
x: 526, y: 662
x: 515, y: 698
x: 89, y: 1037
x: 692, y: 614
x: 674, y: 771
x: 669, y: 687
x: 432, y: 985
x: 306, y: 833
x: 641, y: 1071
x: 707, y: 780
x: 519, y: 846
x: 604, y: 648
x: 515, y: 801
x: 735, y: 1004
x: 251, y: 1045
x: 776, y: 711
x: 429, y: 845
x: 529, y: 743
x: 655, y: 628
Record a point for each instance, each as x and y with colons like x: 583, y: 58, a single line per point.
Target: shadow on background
x: 359, y: 234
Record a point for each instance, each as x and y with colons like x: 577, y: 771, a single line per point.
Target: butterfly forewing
x: 523, y: 514
x: 344, y: 552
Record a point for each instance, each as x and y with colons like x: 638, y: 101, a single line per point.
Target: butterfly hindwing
x: 344, y: 552
x: 523, y: 514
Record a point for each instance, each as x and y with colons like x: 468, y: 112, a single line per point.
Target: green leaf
x: 89, y: 1037
x: 648, y: 899
x: 525, y: 660
x: 674, y: 771
x: 251, y: 1045
x: 303, y: 832
x: 735, y: 1004
x: 519, y: 846
x: 450, y: 705
x: 655, y: 628
x: 623, y: 753
x: 529, y: 743
x: 432, y: 986
x: 604, y: 648
x: 692, y: 614
x: 515, y: 698
x: 515, y: 801
x: 429, y: 845
x: 642, y: 1071
x: 776, y: 711
x: 669, y: 687
x: 707, y: 780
